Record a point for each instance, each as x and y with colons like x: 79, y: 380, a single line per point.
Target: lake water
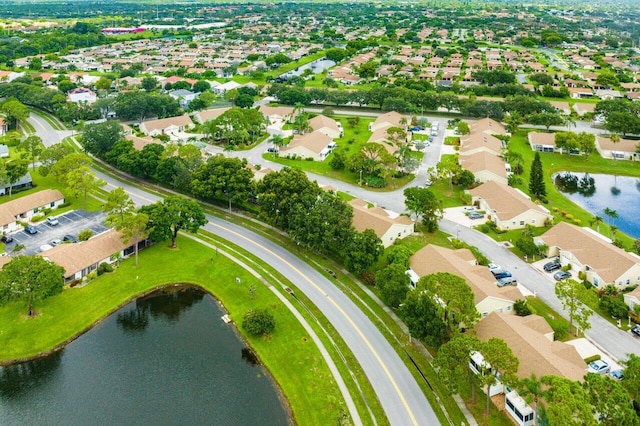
x: 166, y: 359
x: 597, y: 192
x: 316, y: 66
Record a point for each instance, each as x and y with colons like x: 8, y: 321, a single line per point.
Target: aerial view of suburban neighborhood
x: 319, y: 213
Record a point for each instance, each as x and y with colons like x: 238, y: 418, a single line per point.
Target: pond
x: 597, y: 192
x: 316, y: 66
x: 166, y: 358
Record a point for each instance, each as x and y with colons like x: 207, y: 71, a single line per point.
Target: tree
x: 537, y: 186
x: 568, y: 292
x: 586, y: 143
x: 104, y: 83
x: 131, y: 225
x: 32, y: 146
x: 567, y: 402
x: 258, y: 322
x: 631, y: 380
x: 530, y: 388
x: 149, y: 83
x: 15, y: 170
x: 68, y: 163
x: 15, y: 111
x: 98, y: 139
x: 393, y: 283
x: 117, y: 204
x: 452, y: 362
x: 223, y: 178
x: 362, y: 251
x: 170, y: 216
x: 83, y: 181
x: 51, y: 155
x: 611, y: 214
x: 502, y: 363
x: 85, y: 234
x: 456, y: 301
x: 422, y: 202
x: 546, y: 119
x: 596, y: 220
x: 610, y: 401
x: 449, y: 168
x: 30, y: 278
x: 566, y: 141
x: 420, y: 313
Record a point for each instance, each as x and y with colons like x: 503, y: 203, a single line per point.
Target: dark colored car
x: 561, y: 275
x: 30, y: 229
x: 6, y: 239
x: 552, y: 266
x: 70, y: 239
x: 475, y: 215
x: 501, y: 274
x: 636, y: 330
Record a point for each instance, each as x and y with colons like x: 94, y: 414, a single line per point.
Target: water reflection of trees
x: 570, y: 184
x: 19, y: 379
x: 249, y: 357
x: 167, y: 305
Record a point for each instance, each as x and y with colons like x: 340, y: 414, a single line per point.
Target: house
x: 530, y: 339
x: 507, y: 207
x: 4, y: 151
x: 278, y: 114
x: 561, y: 107
x: 488, y: 126
x: 542, y: 142
x: 485, y: 167
x: 313, y: 145
x: 625, y: 149
x: 24, y: 182
x: 209, y: 114
x: 390, y: 119
x: 328, y: 126
x: 388, y: 226
x: 82, y: 95
x: 488, y: 296
x: 225, y: 87
x: 478, y: 142
x: 80, y: 259
x: 632, y: 298
x: 184, y: 97
x: 24, y: 208
x: 166, y: 125
x: 592, y: 254
x: 583, y: 108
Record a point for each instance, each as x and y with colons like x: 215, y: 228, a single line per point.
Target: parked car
x: 45, y: 247
x: 30, y: 229
x: 617, y: 374
x: 636, y: 330
x: 494, y: 267
x: 475, y: 215
x: 501, y: 274
x: 428, y: 183
x: 599, y: 367
x: 507, y: 281
x: 53, y: 221
x: 469, y: 208
x: 561, y: 275
x: 552, y: 266
x: 6, y: 239
x: 55, y: 242
x: 69, y: 239
x: 416, y: 128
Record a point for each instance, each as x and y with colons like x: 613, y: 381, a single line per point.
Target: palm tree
x: 530, y: 389
x: 613, y: 230
x: 611, y: 213
x: 597, y: 220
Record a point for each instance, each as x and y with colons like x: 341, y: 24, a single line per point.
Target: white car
x: 494, y: 267
x: 599, y: 367
x: 468, y: 208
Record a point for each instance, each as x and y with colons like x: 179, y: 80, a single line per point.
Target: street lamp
x: 360, y: 181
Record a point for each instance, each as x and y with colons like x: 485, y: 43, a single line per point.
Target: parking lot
x: 71, y: 223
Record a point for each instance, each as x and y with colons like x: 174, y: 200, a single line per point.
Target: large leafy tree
x: 117, y: 205
x: 568, y: 403
x: 546, y: 119
x: 15, y: 111
x: 537, y: 186
x: 324, y: 225
x: 281, y: 191
x: 530, y: 388
x: 31, y: 279
x: 568, y: 291
x: 456, y: 303
x: 14, y: 170
x: 422, y: 202
x: 223, y: 178
x: 632, y: 376
x: 68, y: 163
x: 452, y: 363
x: 99, y: 138
x: 610, y: 401
x: 82, y: 181
x: 361, y: 251
x: 393, y: 283
x: 51, y: 155
x: 420, y: 313
x: 236, y: 126
x: 32, y: 148
x: 170, y: 216
x: 504, y: 364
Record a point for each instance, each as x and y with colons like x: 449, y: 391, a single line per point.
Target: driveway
x: 71, y: 223
x: 459, y: 216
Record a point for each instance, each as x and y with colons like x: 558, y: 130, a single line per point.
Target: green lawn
x: 554, y: 319
x: 299, y: 370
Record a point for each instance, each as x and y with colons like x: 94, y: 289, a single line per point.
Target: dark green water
x: 167, y: 359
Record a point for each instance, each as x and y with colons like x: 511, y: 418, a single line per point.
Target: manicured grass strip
x: 554, y: 319
x: 299, y: 368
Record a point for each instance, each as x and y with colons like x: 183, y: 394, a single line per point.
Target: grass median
x: 299, y: 370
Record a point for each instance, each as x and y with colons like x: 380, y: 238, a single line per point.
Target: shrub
x: 368, y: 277
x: 104, y: 267
x: 587, y: 285
x: 555, y: 209
x: 614, y: 306
x: 258, y: 322
x: 521, y: 308
x: 592, y: 358
x: 577, y: 222
x: 563, y: 213
x: 484, y: 228
x: 84, y: 235
x: 569, y: 216
x: 561, y: 331
x: 37, y: 218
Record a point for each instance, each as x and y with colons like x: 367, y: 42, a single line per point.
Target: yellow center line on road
x: 353, y: 324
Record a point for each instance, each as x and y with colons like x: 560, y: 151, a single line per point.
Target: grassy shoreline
x: 300, y: 372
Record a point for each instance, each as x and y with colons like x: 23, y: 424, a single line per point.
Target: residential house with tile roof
x: 593, y: 254
x: 478, y: 142
x: 485, y: 167
x: 313, y: 145
x: 328, y: 126
x: 625, y: 149
x: 24, y: 208
x: 507, y: 207
x: 169, y: 125
x: 388, y: 226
